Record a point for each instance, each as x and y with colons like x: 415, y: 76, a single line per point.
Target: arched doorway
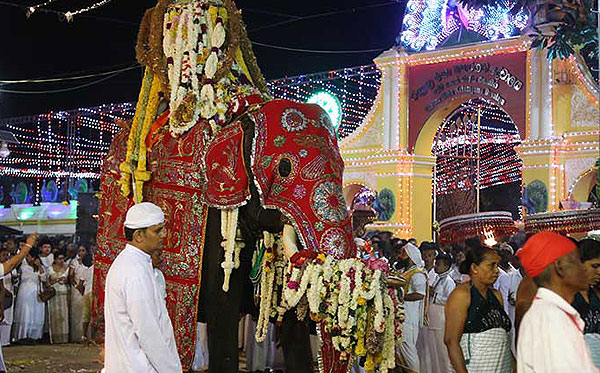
x: 477, y: 168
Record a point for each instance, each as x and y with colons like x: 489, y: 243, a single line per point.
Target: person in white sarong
x: 77, y: 279
x: 477, y: 327
x: 8, y: 266
x: 29, y: 310
x: 58, y: 305
x: 139, y: 335
x: 415, y: 294
x: 433, y: 354
x: 200, y: 362
x: 9, y: 285
x: 88, y: 282
x: 46, y: 258
x: 262, y: 355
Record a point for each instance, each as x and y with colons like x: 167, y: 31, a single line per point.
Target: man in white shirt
x: 551, y: 333
x: 139, y: 334
x: 160, y: 278
x: 415, y: 300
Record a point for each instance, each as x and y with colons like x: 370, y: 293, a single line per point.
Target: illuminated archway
x: 477, y: 168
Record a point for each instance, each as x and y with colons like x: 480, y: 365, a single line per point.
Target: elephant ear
x: 298, y: 170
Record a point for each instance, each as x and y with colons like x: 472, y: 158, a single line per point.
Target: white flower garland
x: 229, y: 221
x: 329, y: 280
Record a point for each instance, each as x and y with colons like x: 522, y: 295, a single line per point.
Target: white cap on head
x: 414, y: 254
x: 144, y: 215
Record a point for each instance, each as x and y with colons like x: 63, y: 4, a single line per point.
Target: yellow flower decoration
x: 141, y: 174
x: 126, y: 167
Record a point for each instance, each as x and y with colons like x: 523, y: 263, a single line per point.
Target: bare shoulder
x: 461, y: 294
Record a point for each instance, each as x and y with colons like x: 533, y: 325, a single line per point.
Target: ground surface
x: 67, y: 358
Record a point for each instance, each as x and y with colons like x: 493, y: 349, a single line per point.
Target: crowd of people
x: 464, y: 303
x: 47, y: 296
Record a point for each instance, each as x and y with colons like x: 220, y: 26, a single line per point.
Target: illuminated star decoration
x: 429, y: 23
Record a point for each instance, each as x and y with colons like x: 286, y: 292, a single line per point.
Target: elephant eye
x: 285, y: 167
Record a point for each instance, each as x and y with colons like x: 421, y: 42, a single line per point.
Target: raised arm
x: 456, y: 316
x: 11, y: 263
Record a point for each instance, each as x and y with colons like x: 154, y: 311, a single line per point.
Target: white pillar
x: 546, y: 126
x: 388, y: 63
x: 535, y: 93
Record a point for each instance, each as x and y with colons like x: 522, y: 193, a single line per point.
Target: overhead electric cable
x: 318, y: 50
x: 59, y: 90
x: 319, y: 15
x: 68, y: 78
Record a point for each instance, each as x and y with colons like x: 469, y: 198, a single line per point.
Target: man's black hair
x: 447, y: 258
x: 129, y: 233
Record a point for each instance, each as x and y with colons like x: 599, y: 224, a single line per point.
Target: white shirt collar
x: 555, y: 299
x: 138, y: 252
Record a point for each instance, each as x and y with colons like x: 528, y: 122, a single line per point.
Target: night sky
x: 103, y: 40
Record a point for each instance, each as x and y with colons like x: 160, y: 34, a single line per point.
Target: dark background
x: 104, y: 40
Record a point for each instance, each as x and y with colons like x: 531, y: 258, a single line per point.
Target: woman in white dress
x: 77, y: 274
x: 58, y: 306
x: 29, y: 310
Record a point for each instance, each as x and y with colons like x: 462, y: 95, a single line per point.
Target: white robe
x: 433, y: 355
x: 139, y: 334
x: 414, y: 318
x: 161, y: 282
x: 29, y: 310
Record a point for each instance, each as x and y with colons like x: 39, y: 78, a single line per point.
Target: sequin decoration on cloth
x: 227, y: 183
x: 176, y: 187
x: 295, y: 156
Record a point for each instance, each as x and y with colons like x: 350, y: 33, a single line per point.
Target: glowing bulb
x: 4, y: 151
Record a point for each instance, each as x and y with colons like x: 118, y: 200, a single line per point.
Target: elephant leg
x: 221, y: 309
x: 295, y: 341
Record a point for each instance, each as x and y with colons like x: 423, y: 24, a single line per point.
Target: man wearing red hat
x: 551, y: 333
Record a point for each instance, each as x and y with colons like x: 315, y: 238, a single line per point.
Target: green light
x: 26, y: 213
x: 330, y: 104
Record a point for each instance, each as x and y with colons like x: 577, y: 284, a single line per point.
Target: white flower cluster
x: 231, y: 244
x: 341, y: 294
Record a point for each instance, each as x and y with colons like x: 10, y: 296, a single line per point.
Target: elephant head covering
x: 414, y: 254
x: 144, y: 215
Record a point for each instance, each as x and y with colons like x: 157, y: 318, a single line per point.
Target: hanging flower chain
x: 342, y: 294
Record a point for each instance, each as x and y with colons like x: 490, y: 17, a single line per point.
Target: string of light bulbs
x: 68, y: 15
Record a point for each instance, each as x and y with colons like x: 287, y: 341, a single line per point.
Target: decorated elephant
x: 231, y: 167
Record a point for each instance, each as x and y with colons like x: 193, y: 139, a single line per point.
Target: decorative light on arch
x: 428, y: 24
